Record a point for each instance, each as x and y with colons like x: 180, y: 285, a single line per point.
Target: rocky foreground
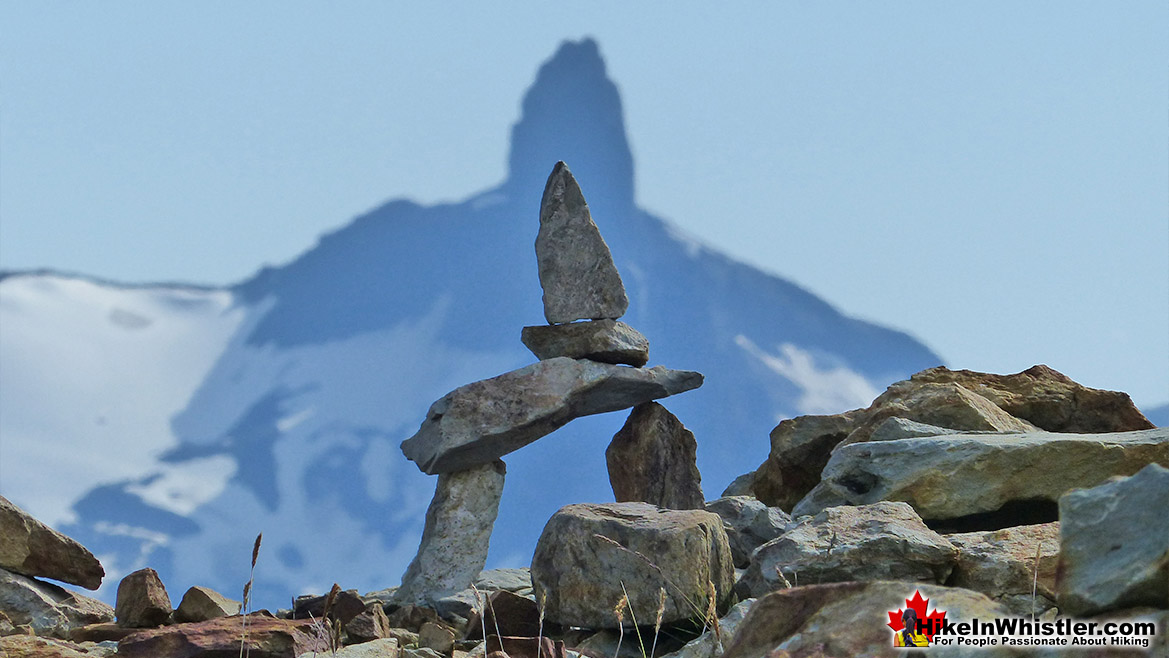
x: 989, y: 496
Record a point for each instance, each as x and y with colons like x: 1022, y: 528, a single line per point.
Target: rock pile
x: 585, y: 368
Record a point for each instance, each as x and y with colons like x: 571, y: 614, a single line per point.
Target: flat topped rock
x: 955, y: 475
x: 485, y: 420
x: 608, y: 341
x: 577, y: 273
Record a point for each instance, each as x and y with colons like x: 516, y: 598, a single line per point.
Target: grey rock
x: 710, y: 644
x: 1114, y: 544
x: 456, y: 535
x: 743, y: 485
x: 1002, y: 564
x: 379, y: 648
x: 577, y: 273
x: 749, y: 524
x: 419, y: 652
x: 848, y: 619
x: 464, y: 603
x: 883, y: 541
x: 202, y: 603
x: 33, y: 549
x: 652, y: 459
x: 608, y: 341
x: 142, y: 600
x: 482, y: 421
x: 982, y: 472
x: 516, y: 581
x: 902, y: 428
x: 586, y: 552
x: 49, y: 610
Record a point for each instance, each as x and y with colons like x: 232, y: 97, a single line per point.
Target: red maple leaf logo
x: 930, y: 623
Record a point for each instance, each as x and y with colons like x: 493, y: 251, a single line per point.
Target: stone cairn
x: 590, y: 363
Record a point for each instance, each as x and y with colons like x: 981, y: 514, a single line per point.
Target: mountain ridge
x: 309, y: 374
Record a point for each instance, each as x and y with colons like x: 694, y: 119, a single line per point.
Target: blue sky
x: 991, y: 177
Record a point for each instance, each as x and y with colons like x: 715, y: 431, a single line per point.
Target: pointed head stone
x: 577, y: 273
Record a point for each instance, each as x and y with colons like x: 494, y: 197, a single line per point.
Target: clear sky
x: 992, y: 177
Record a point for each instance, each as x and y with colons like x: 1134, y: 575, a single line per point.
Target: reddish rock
x: 652, y: 460
x: 372, y: 624
x: 142, y: 600
x: 266, y: 637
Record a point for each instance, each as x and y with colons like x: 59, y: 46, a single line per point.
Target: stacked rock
x: 584, y: 369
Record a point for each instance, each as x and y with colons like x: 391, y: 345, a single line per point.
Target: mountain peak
x: 572, y: 112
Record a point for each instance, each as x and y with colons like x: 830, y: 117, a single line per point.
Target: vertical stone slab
x: 577, y: 273
x: 652, y: 460
x: 458, y: 530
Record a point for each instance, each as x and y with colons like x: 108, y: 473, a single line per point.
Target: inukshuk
x: 584, y: 369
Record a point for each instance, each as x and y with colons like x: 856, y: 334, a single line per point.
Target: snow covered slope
x: 168, y: 427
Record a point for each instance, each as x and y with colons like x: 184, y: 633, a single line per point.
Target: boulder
x: 505, y: 614
x: 202, y: 603
x: 748, y: 523
x: 948, y: 405
x: 1002, y: 564
x: 380, y: 648
x: 849, y: 619
x: 882, y: 541
x: 800, y: 448
x: 31, y: 548
x: 265, y: 637
x: 608, y: 341
x: 49, y: 610
x: 958, y: 400
x: 482, y: 421
x: 587, y: 552
x: 652, y: 459
x: 454, y: 542
x: 371, y: 624
x: 1114, y: 544
x: 954, y: 476
x: 142, y: 600
x: 577, y: 273
x: 1048, y: 399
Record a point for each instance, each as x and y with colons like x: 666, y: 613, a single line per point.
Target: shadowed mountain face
x: 293, y: 424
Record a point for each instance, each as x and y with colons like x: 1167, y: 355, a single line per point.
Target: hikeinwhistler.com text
x: 1024, y: 632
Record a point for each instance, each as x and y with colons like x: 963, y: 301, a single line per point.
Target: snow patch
x: 93, y: 375
x: 824, y: 390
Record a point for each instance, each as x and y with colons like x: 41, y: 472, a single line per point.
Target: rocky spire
x: 573, y: 113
